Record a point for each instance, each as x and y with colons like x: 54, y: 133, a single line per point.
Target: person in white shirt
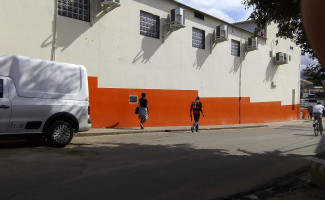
x: 317, y: 114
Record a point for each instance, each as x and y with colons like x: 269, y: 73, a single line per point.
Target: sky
x: 230, y: 11
x: 227, y: 10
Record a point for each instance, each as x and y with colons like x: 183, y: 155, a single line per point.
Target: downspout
x: 54, y: 30
x: 240, y: 77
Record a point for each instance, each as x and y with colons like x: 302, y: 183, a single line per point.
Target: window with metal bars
x: 149, y: 25
x: 1, y: 88
x: 198, y: 38
x: 235, y: 48
x: 76, y: 9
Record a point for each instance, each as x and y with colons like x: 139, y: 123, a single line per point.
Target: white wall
x: 26, y: 27
x: 113, y: 50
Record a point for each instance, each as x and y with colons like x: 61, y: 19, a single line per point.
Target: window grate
x: 235, y: 48
x: 133, y: 99
x: 1, y: 88
x: 198, y: 38
x: 76, y: 9
x: 149, y: 25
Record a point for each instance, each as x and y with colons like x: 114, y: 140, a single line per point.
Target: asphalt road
x: 156, y: 165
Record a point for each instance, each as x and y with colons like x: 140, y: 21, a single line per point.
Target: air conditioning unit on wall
x: 110, y: 3
x: 252, y: 44
x: 280, y: 58
x: 177, y: 18
x: 221, y: 33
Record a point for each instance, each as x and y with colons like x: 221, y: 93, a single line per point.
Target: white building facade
x: 129, y: 48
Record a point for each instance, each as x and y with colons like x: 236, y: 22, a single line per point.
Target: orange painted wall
x: 110, y: 108
x: 267, y: 112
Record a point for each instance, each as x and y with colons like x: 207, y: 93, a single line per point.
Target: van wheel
x: 60, y: 134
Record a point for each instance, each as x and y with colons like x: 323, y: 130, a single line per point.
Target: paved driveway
x: 157, y: 165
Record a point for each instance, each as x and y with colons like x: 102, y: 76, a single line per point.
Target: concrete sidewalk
x: 114, y: 131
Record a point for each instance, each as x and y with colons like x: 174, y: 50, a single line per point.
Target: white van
x: 39, y: 96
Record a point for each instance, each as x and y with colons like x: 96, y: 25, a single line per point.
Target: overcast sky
x: 228, y: 10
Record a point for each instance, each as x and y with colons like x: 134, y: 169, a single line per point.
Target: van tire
x: 60, y: 134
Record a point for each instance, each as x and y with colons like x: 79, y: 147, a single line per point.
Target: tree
x: 315, y: 73
x: 286, y: 14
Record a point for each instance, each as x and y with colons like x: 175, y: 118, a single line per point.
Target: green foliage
x: 286, y: 14
x: 315, y: 74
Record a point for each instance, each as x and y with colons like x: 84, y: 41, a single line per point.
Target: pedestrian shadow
x: 307, y: 135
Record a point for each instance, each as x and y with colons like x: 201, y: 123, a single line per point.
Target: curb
x: 121, y: 131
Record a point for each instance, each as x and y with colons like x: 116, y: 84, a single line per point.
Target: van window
x: 1, y: 88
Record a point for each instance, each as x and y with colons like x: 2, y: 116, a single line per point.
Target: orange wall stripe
x: 110, y: 108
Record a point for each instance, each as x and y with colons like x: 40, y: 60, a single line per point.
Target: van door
x: 5, y: 105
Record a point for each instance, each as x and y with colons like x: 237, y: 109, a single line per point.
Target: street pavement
x: 160, y: 162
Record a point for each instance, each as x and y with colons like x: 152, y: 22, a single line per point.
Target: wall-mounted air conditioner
x: 280, y: 58
x: 110, y: 3
x: 221, y: 33
x: 177, y: 18
x: 252, y: 44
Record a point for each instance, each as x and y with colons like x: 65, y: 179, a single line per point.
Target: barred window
x: 235, y: 48
x: 198, y: 38
x: 149, y: 25
x: 1, y: 88
x: 76, y: 9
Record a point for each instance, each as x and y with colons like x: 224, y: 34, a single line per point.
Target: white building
x: 130, y: 48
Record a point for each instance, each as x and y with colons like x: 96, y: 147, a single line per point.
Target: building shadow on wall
x: 67, y: 29
x: 149, y: 46
x: 236, y: 65
x: 270, y: 71
x: 203, y: 54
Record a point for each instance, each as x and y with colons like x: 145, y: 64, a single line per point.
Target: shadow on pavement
x: 22, y: 141
x: 133, y: 171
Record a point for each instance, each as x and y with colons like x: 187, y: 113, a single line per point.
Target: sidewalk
x: 115, y: 131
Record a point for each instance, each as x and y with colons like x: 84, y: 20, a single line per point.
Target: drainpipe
x: 54, y: 30
x: 240, y: 84
x: 240, y: 77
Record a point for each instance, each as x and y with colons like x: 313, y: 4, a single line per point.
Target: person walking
x: 317, y: 114
x: 196, y: 109
x: 143, y: 109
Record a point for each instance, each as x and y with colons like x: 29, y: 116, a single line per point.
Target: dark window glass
x: 1, y: 88
x: 198, y: 38
x: 199, y: 15
x: 76, y: 9
x: 149, y: 25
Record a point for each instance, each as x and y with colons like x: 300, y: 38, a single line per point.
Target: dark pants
x: 196, y: 121
x: 318, y: 117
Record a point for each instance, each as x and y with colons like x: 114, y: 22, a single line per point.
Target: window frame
x: 143, y: 25
x: 237, y: 54
x: 74, y: 9
x: 194, y: 39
